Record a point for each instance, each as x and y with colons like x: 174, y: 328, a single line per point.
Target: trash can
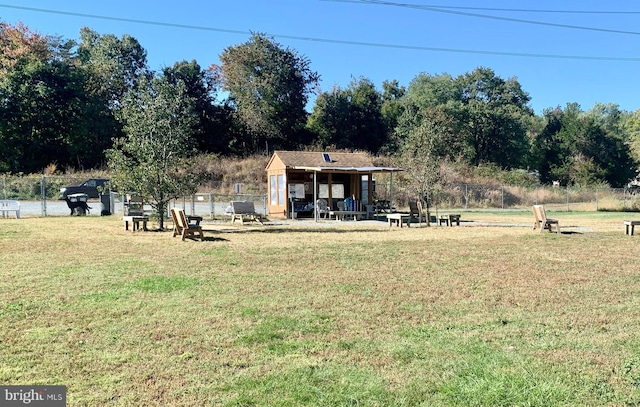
x: 78, y: 204
x: 107, y: 203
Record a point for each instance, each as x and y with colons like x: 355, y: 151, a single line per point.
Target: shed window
x: 281, y: 189
x: 273, y: 190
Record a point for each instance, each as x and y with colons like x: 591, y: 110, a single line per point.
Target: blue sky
x: 395, y: 40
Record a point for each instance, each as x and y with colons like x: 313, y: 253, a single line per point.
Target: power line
x: 123, y: 19
x: 329, y: 41
x: 519, y: 10
x: 462, y: 13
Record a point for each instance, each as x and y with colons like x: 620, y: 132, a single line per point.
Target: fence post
x: 466, y: 196
x: 212, y: 206
x: 264, y: 205
x: 567, y: 198
x: 502, y: 196
x: 43, y: 195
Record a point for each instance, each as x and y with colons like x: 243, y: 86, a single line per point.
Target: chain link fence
x: 39, y: 196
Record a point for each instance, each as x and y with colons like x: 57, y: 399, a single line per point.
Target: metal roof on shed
x: 339, y: 161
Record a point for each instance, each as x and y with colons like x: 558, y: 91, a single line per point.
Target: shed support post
x: 315, y: 198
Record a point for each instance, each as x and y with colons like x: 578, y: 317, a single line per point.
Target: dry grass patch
x: 329, y: 315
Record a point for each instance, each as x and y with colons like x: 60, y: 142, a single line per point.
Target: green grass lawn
x: 322, y: 315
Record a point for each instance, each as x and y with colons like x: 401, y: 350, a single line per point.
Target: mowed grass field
x: 490, y: 313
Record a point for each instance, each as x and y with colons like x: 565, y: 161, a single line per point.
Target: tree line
x: 75, y: 103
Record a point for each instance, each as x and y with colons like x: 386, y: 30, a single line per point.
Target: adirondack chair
x: 542, y: 222
x: 182, y: 227
x: 416, y: 211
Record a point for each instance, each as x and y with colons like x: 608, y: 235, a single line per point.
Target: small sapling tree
x: 154, y: 159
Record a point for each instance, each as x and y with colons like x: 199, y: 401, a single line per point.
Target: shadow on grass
x: 205, y: 231
x: 280, y: 229
x: 205, y: 239
x: 213, y: 239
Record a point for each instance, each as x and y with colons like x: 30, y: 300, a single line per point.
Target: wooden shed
x: 297, y: 179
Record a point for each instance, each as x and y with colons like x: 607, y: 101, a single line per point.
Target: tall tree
x: 578, y: 149
x: 546, y: 152
x: 370, y: 131
x: 112, y: 66
x: 496, y: 115
x: 42, y: 102
x: 490, y: 115
x: 269, y: 86
x: 350, y: 118
x: 433, y: 90
x: 116, y: 64
x: 438, y: 93
x: 19, y: 43
x: 214, y: 129
x: 329, y: 120
x: 154, y: 158
x: 391, y: 110
x: 631, y: 125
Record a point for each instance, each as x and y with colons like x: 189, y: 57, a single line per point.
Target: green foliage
x: 391, y: 110
x: 62, y: 96
x: 584, y: 148
x: 41, y: 115
x: 26, y: 187
x: 489, y: 115
x: 631, y: 131
x: 213, y: 131
x: 495, y: 115
x: 520, y: 177
x: 350, y: 118
x: 493, y: 173
x: 116, y: 65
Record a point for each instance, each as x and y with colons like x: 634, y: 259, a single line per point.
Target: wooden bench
x: 449, y: 219
x: 398, y: 219
x: 244, y: 210
x: 7, y: 205
x: 629, y: 225
x: 135, y: 222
